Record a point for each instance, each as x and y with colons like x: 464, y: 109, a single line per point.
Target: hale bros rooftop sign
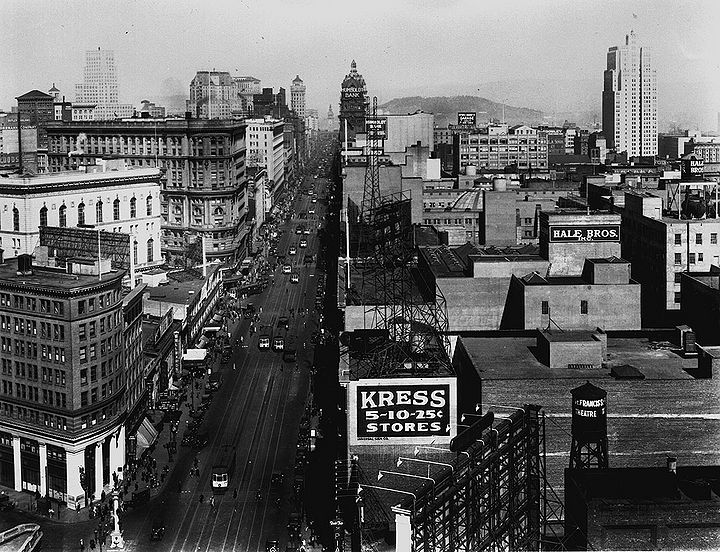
x: 401, y: 410
x: 604, y: 233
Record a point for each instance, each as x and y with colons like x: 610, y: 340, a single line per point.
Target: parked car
x: 158, y: 531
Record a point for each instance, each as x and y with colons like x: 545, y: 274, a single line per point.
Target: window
x: 678, y: 239
x: 83, y: 376
x: 700, y: 257
x: 133, y: 207
x: 116, y: 209
x: 81, y: 214
x: 691, y: 258
x: 150, y: 245
x: 677, y: 297
x: 678, y: 277
x: 43, y: 216
x: 713, y: 238
x: 83, y: 332
x: 135, y: 252
x: 698, y: 239
x: 583, y: 307
x: 678, y: 258
x: 63, y: 216
x: 98, y: 211
x: 16, y: 219
x: 83, y: 354
x: 545, y: 307
x: 81, y: 306
x: 148, y: 205
x: 84, y: 398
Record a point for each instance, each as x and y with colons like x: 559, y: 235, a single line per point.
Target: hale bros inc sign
x: 604, y: 233
x: 400, y: 410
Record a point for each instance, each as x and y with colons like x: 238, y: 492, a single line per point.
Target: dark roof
x: 611, y: 260
x: 625, y: 371
x: 35, y: 95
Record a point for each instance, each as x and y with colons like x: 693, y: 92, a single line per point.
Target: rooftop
x: 72, y: 179
x: 183, y: 286
x: 45, y: 279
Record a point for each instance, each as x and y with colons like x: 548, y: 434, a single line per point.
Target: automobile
x: 283, y: 322
x: 293, y: 250
x: 303, y: 243
x: 272, y: 546
x: 264, y: 342
x: 157, y: 532
x: 298, y: 230
x: 276, y: 480
x: 311, y: 211
x: 289, y: 355
x: 313, y: 200
x: 294, y: 278
x: 287, y: 269
x: 308, y: 259
x: 306, y: 230
x: 294, y: 525
x: 249, y: 310
x: 278, y: 343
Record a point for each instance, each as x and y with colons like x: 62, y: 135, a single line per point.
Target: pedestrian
x: 235, y: 493
x: 82, y: 544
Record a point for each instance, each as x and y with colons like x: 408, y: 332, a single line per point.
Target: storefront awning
x: 196, y: 355
x: 146, y: 436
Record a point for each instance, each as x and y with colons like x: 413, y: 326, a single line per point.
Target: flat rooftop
x: 51, y: 279
x: 66, y: 179
x: 669, y: 413
x: 180, y: 285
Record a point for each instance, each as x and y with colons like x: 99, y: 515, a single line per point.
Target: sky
x: 402, y: 47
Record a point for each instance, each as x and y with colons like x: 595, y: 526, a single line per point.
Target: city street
x: 257, y: 410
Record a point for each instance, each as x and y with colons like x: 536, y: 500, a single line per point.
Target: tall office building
x: 629, y: 101
x: 297, y: 97
x: 354, y: 102
x: 100, y: 86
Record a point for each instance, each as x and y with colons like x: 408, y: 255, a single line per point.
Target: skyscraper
x: 100, y: 86
x: 629, y: 101
x: 297, y: 97
x: 353, y: 103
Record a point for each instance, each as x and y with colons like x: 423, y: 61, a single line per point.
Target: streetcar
x: 223, y: 469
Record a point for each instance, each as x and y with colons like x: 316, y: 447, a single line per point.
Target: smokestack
x: 672, y: 464
x: 20, y: 159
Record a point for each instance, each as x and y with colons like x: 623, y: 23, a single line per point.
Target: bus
x: 223, y: 469
x: 278, y: 342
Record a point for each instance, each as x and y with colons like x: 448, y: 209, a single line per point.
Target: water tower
x: 589, y: 447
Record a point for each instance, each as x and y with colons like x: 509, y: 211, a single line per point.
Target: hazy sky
x: 418, y: 47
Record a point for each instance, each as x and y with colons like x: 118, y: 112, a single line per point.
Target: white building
x: 265, y: 148
x: 297, y: 97
x: 125, y: 201
x: 630, y: 99
x: 100, y: 86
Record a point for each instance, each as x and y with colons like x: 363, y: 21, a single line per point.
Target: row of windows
x: 62, y: 212
x: 103, y: 300
x: 33, y: 416
x: 106, y: 347
x: 698, y: 239
x: 30, y: 303
x: 106, y: 369
x: 691, y: 258
x: 30, y: 371
x: 105, y: 323
x: 545, y: 307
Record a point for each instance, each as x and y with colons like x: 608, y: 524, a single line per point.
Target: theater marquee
x: 604, y: 233
x: 402, y: 411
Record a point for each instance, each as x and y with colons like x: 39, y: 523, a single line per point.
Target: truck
x: 290, y: 350
x: 223, y: 469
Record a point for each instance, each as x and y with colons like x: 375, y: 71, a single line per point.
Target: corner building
x: 204, y: 186
x: 62, y: 395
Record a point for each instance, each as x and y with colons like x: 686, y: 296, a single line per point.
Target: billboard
x: 597, y: 233
x: 66, y: 243
x: 466, y: 118
x: 402, y: 411
x: 376, y: 127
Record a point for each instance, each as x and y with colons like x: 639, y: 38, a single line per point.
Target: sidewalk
x: 149, y: 471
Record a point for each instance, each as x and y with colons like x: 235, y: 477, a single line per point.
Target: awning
x: 146, y: 436
x: 197, y: 355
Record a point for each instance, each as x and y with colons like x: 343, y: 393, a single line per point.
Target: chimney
x: 672, y: 464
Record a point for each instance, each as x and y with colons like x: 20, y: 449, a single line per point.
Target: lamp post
x: 116, y: 538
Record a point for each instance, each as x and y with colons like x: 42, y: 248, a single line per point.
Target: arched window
x: 135, y: 252
x: 81, y: 214
x: 63, y: 216
x: 150, y: 244
x: 16, y: 219
x: 116, y: 209
x: 43, y: 216
x: 148, y: 205
x: 98, y: 211
x: 133, y: 207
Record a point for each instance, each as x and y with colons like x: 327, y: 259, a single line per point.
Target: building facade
x: 266, y: 149
x: 36, y: 109
x: 211, y: 95
x: 629, y: 99
x: 297, y: 97
x: 100, y: 86
x: 354, y: 102
x: 117, y: 201
x: 63, y: 380
x: 203, y: 187
x: 498, y: 147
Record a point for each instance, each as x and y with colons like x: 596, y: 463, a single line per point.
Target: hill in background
x: 446, y: 109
